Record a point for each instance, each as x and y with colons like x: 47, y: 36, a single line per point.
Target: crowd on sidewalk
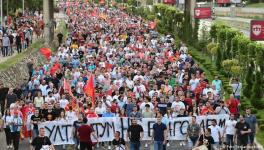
x: 16, y: 34
x: 136, y: 73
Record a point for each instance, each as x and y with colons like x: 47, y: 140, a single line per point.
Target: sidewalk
x: 3, y: 59
x: 57, y: 16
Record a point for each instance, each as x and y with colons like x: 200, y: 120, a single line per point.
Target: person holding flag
x: 89, y: 89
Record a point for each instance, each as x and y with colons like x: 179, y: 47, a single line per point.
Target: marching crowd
x: 136, y: 73
x: 17, y: 33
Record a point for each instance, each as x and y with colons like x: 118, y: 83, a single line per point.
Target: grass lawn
x: 19, y: 57
x: 256, y: 5
x: 33, y: 48
x: 260, y: 137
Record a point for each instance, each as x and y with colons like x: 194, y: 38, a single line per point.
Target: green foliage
x: 13, y: 5
x: 149, y: 2
x: 233, y: 44
x: 257, y: 99
x: 132, y: 2
x: 249, y: 81
x: 218, y: 58
x: 231, y: 66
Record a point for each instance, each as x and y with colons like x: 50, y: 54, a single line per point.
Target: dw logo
x: 256, y: 29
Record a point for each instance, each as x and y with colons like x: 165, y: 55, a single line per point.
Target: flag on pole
x: 94, y: 13
x: 67, y: 87
x: 89, y: 89
x: 152, y: 25
x: 54, y: 68
x: 46, y: 52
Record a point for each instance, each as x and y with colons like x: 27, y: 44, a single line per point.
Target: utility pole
x: 1, y: 13
x: 23, y: 6
x: 7, y: 8
x: 48, y: 21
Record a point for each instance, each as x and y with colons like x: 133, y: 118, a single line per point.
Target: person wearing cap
x: 15, y: 127
x: 222, y: 109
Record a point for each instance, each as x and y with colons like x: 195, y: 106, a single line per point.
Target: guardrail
x: 239, y: 12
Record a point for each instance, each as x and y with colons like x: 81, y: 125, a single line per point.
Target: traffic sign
x: 257, y: 30
x: 202, y: 12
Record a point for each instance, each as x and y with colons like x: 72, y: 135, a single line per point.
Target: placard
x: 202, y: 12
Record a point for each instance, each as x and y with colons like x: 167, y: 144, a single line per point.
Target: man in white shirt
x: 50, y: 97
x: 229, y: 130
x: 193, y: 82
x: 44, y: 88
x: 139, y: 89
x: 63, y: 102
x: 100, y: 110
x: 129, y: 83
x: 143, y: 105
x: 154, y: 90
x: 177, y: 105
x: 216, y: 134
x: 207, y: 89
x: 138, y: 77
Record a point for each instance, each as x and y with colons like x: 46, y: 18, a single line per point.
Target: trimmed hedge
x: 233, y: 44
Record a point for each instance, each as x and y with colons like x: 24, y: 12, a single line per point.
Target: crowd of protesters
x: 137, y: 73
x: 16, y: 34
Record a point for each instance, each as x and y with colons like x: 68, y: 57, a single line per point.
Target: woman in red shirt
x: 92, y: 114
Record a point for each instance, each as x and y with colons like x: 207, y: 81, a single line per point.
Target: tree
x: 13, y: 5
x: 249, y: 79
x: 257, y: 92
x: 218, y: 58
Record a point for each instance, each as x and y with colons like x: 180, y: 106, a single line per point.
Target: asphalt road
x: 24, y: 145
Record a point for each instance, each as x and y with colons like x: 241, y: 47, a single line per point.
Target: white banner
x: 105, y: 128
x: 59, y: 132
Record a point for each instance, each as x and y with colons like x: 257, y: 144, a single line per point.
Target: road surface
x: 24, y: 145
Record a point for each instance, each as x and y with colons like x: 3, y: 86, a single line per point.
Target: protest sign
x: 61, y: 133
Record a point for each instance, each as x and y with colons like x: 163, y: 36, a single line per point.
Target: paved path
x: 24, y: 145
x: 57, y: 16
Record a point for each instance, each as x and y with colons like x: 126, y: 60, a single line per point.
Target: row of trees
x: 237, y: 56
x: 233, y: 54
x: 14, y: 5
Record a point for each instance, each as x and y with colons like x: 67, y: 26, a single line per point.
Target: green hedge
x: 233, y: 44
x: 229, y: 44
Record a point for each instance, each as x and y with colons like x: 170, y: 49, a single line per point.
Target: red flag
x: 152, y: 25
x: 94, y: 13
x: 54, y: 68
x: 102, y: 2
x: 67, y: 87
x: 46, y: 52
x: 89, y: 89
